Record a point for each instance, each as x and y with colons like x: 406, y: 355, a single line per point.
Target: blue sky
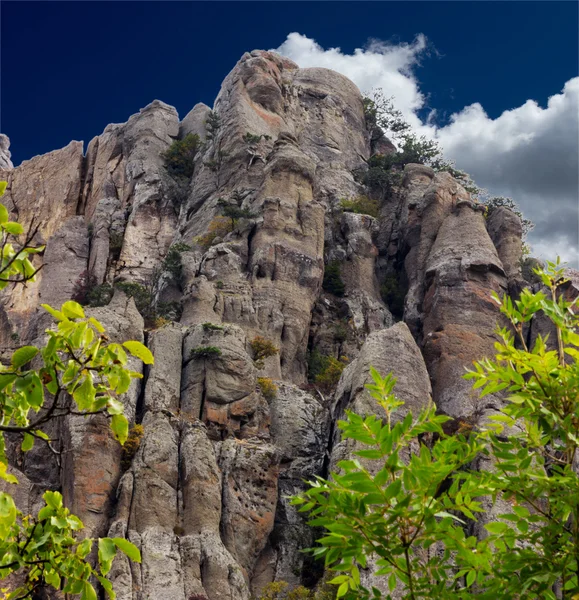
x: 70, y: 68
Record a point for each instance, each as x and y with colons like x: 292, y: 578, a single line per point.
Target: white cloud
x: 529, y: 152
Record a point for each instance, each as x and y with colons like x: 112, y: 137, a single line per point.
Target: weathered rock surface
x: 5, y: 162
x: 205, y: 497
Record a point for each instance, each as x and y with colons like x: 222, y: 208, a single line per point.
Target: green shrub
x: 262, y: 348
x: 328, y: 379
x: 267, y: 387
x: 250, y: 138
x: 333, y: 279
x: 212, y: 327
x: 143, y: 298
x: 170, y: 311
x: 317, y: 362
x: 361, y: 205
x: 173, y: 264
x: 219, y: 285
x: 218, y: 228
x: 180, y: 157
x: 131, y: 446
x: 340, y: 332
x: 281, y: 590
x: 384, y: 171
x: 115, y: 244
x: 208, y: 352
x: 493, y: 203
x: 393, y: 294
x: 419, y: 488
x: 87, y: 292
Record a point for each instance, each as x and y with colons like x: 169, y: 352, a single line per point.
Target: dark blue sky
x: 70, y: 68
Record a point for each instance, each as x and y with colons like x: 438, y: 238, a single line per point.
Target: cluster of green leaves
x: 333, y: 281
x: 212, y: 327
x: 251, y: 138
x: 496, y: 201
x: 144, y: 298
x: 281, y: 590
x: 173, y: 262
x: 87, y: 292
x: 213, y: 126
x: 81, y: 372
x: 232, y: 210
x: 393, y: 293
x: 409, y: 500
x: 180, y: 156
x: 267, y: 388
x: 208, y: 352
x: 78, y: 372
x: 261, y: 349
x: 48, y: 549
x: 16, y: 266
x: 384, y: 170
x: 361, y: 205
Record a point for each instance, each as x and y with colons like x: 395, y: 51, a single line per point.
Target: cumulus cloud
x: 529, y: 153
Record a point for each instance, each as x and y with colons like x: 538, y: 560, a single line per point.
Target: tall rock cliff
x: 205, y: 496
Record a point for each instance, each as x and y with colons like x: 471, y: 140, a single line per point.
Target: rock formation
x: 205, y: 496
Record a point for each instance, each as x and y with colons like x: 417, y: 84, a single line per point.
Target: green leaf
x: 52, y: 578
x: 31, y: 386
x: 107, y: 551
x: 84, y: 548
x: 13, y: 228
x: 7, y: 514
x: 114, y: 407
x: 140, y: 351
x: 27, y: 442
x: 3, y: 185
x: 72, y: 310
x: 4, y: 475
x: 120, y: 427
x: 128, y: 548
x: 84, y: 394
x: 55, y: 313
x: 470, y: 578
x: 107, y: 586
x: 4, y: 216
x: 23, y: 355
x: 53, y: 500
x: 88, y: 592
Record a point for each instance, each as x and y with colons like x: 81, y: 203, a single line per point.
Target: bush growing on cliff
x: 328, y: 378
x: 267, y: 387
x: 332, y: 281
x: 218, y: 229
x: 413, y: 499
x: 180, y: 157
x: 88, y: 292
x: 78, y: 370
x: 209, y: 352
x: 262, y: 348
x: 393, y: 294
x: 281, y: 590
x: 493, y: 203
x: 361, y: 205
x: 384, y: 169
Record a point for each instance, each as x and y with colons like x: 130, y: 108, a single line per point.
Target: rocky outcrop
x: 5, y: 162
x: 226, y: 437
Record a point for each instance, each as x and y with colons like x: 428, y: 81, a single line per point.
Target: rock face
x: 228, y: 434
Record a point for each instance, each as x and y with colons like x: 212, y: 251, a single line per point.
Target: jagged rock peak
x: 5, y: 162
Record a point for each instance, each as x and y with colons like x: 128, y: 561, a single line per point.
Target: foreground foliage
x: 77, y: 372
x: 406, y: 507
